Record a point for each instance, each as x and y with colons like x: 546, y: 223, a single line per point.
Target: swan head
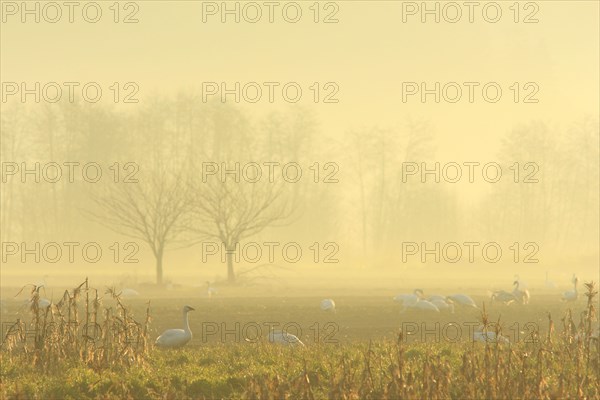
x: 188, y: 308
x: 419, y: 292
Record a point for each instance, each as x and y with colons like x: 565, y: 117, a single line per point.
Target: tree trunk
x: 159, y: 268
x: 230, y: 272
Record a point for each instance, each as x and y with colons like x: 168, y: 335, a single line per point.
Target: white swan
x: 571, y: 295
x: 415, y: 301
x: 407, y: 300
x: 522, y: 284
x: 128, y: 293
x: 210, y: 290
x: 441, y: 303
x: 328, y: 305
x: 173, y: 338
x: 522, y: 295
x: 285, y: 339
x: 503, y: 296
x: 489, y: 336
x: 422, y: 305
x: 462, y: 300
x: 42, y: 302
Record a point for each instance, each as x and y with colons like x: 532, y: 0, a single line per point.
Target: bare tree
x: 152, y: 210
x: 230, y: 211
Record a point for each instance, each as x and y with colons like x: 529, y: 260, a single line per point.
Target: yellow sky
x: 368, y: 53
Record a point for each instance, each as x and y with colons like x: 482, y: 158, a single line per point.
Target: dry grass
x: 77, y: 328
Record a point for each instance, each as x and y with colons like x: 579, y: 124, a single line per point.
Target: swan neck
x: 186, y: 321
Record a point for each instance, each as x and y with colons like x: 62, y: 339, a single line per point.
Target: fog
x: 400, y: 185
x: 299, y: 199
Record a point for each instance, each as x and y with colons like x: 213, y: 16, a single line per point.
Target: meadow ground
x: 356, y: 352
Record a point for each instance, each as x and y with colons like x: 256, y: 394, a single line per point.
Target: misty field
x: 366, y: 349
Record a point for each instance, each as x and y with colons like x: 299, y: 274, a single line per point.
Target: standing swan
x: 522, y: 295
x: 571, y: 295
x: 210, y: 290
x: 522, y: 284
x: 173, y: 338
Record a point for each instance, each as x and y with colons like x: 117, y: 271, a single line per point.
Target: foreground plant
x: 71, y: 331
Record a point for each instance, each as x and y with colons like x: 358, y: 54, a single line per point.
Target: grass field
x: 367, y: 349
